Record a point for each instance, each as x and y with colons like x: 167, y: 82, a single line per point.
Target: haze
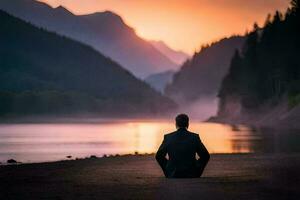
x: 182, y: 24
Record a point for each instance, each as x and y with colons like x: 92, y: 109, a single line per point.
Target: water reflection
x: 271, y: 141
x: 47, y: 142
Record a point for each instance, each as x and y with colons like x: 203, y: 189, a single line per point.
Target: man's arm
x: 161, y: 155
x: 203, y: 154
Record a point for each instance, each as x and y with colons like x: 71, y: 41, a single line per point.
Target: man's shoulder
x: 194, y: 134
x: 170, y: 134
x: 173, y: 133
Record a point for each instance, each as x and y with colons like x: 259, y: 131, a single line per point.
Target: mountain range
x: 44, y: 73
x: 104, y: 31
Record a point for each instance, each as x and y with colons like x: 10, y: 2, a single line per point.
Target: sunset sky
x: 182, y: 24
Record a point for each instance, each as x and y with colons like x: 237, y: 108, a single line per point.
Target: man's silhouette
x: 181, y: 147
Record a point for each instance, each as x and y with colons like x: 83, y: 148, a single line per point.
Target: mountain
x: 160, y: 80
x: 263, y: 83
x: 104, y: 31
x: 201, y: 76
x: 177, y: 57
x: 44, y: 73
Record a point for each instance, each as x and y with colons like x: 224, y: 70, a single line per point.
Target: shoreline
x: 281, y: 116
x: 4, y: 163
x: 227, y: 176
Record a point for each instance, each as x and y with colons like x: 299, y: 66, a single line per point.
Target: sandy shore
x: 228, y: 176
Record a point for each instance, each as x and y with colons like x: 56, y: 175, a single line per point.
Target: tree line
x: 268, y: 66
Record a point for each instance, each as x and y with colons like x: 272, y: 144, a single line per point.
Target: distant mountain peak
x: 177, y: 57
x: 110, y: 13
x: 62, y: 9
x: 163, y: 44
x: 105, y: 14
x: 106, y: 17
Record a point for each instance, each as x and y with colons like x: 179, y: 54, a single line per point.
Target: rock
x: 93, y: 156
x: 10, y: 161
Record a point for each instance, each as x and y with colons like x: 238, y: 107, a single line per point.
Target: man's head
x: 182, y: 121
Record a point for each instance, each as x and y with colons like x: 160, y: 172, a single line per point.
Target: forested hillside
x: 44, y: 73
x: 267, y: 70
x: 201, y: 76
x: 104, y: 31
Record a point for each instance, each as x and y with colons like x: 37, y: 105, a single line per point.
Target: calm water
x: 49, y: 142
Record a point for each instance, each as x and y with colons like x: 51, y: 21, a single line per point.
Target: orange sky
x: 182, y: 24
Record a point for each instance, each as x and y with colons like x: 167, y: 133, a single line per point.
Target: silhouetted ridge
x: 106, y: 15
x: 104, y: 31
x: 176, y: 56
x: 63, y: 10
x: 44, y: 73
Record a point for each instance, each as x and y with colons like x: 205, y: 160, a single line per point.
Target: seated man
x: 181, y: 147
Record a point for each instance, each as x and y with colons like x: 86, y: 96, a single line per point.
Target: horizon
x: 181, y: 18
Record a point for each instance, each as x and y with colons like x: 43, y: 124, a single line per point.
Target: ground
x: 228, y: 176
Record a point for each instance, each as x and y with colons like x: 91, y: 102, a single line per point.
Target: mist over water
x: 201, y: 109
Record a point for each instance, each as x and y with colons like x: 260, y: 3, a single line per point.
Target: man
x: 181, y: 147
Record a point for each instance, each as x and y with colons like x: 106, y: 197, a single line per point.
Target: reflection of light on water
x: 219, y: 138
x: 145, y: 136
x: 45, y: 142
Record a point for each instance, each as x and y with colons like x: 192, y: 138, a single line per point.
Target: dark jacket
x: 181, y: 147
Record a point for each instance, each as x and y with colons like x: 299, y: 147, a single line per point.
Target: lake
x: 54, y: 141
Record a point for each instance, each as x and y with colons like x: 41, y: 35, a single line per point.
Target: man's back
x: 181, y: 147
